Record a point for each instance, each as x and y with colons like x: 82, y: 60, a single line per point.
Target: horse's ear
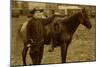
x: 53, y: 11
x: 41, y: 10
x: 84, y: 10
x: 33, y: 11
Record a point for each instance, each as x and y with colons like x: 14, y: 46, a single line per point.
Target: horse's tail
x: 18, y: 34
x: 19, y: 30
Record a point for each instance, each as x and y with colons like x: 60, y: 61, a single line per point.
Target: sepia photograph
x: 52, y: 33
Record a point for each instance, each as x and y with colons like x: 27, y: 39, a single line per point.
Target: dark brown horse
x: 33, y: 34
x: 63, y: 31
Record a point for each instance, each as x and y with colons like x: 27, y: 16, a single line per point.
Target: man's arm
x: 51, y: 19
x: 48, y: 20
x: 29, y: 32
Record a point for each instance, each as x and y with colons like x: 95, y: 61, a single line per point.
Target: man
x: 33, y: 33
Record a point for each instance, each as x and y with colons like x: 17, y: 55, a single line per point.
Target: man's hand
x: 30, y: 41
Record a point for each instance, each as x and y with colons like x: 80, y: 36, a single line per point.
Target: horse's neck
x: 51, y: 18
x: 72, y: 24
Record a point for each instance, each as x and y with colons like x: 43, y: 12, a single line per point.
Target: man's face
x: 38, y: 14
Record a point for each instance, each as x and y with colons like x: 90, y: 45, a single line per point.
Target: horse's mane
x: 72, y: 22
x: 71, y: 17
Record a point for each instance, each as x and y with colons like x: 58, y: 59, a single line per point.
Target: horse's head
x: 85, y: 19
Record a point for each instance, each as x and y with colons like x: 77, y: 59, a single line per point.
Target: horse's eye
x: 85, y: 14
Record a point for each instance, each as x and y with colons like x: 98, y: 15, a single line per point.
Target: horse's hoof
x: 30, y: 64
x: 50, y: 50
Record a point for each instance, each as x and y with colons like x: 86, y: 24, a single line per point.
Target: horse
x: 62, y: 31
x: 32, y: 33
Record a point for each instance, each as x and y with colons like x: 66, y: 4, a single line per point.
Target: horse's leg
x: 51, y: 42
x: 24, y: 52
x: 63, y: 52
x: 51, y: 49
x: 65, y: 41
x: 64, y: 48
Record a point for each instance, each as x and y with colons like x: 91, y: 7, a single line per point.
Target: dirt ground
x: 82, y: 47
